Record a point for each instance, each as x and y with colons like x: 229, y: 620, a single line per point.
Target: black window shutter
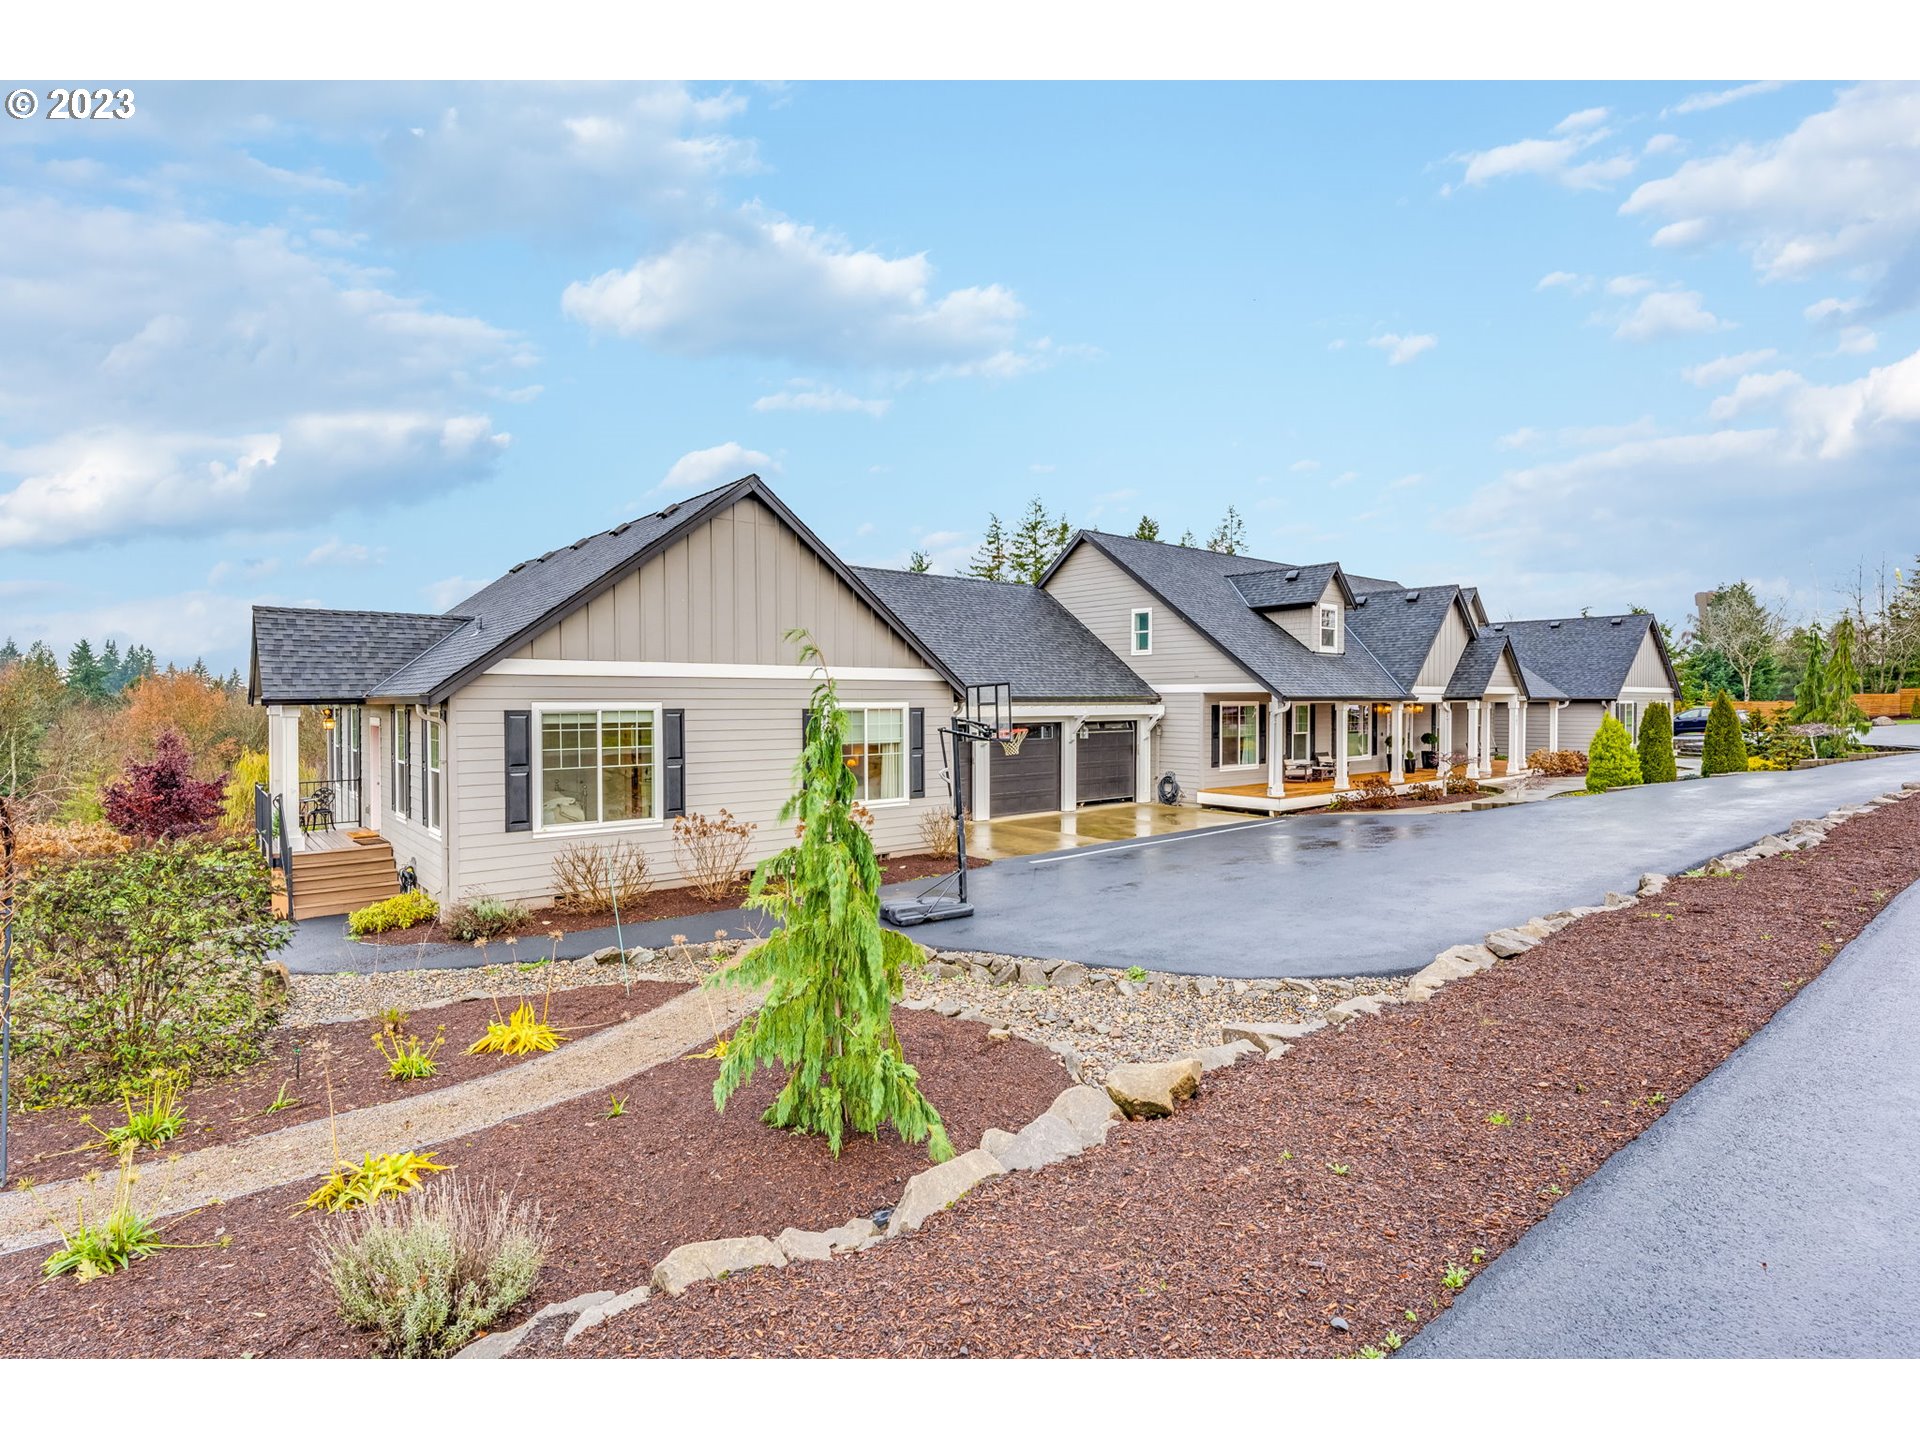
x: 1216, y: 736
x: 519, y: 769
x: 916, y: 753
x: 675, y: 748
x: 1263, y: 734
x: 806, y: 723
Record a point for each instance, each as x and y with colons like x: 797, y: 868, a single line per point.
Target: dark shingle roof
x: 988, y: 632
x: 1284, y: 589
x: 1365, y: 584
x: 1475, y: 669
x: 1587, y: 657
x: 304, y: 657
x: 1199, y: 586
x: 1399, y: 626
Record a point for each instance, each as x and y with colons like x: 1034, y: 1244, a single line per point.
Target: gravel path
x: 225, y: 1172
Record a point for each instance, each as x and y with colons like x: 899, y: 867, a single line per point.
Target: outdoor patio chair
x: 316, y: 810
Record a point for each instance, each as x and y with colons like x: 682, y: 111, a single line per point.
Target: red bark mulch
x: 617, y: 1193
x: 44, y: 1144
x: 1226, y: 1232
x: 678, y: 903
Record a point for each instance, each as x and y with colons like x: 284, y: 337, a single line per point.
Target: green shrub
x: 1785, y: 746
x: 1656, y: 745
x: 236, y: 809
x: 481, y: 917
x: 426, y: 1275
x: 1611, y: 762
x: 1723, y: 752
x: 400, y: 912
x: 140, y: 962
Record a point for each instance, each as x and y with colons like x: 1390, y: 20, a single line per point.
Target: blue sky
x: 1583, y: 345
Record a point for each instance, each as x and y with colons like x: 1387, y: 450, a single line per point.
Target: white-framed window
x: 432, y: 795
x: 1300, y: 733
x: 1627, y: 712
x: 876, y: 752
x: 1329, y: 627
x: 1142, y: 632
x: 400, y: 744
x: 1238, y: 731
x: 1360, y: 730
x: 598, y: 765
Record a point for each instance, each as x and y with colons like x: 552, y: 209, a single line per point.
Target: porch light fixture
x: 326, y: 717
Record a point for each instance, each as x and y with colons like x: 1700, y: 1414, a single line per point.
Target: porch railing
x: 325, y: 804
x: 270, y: 833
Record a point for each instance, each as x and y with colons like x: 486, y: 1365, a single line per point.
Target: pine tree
x: 110, y: 662
x: 919, y: 562
x: 833, y: 973
x: 990, y: 560
x: 1611, y: 761
x: 1230, y: 538
x: 9, y: 653
x: 1656, y: 745
x: 1147, y: 529
x: 1723, y: 752
x: 1808, y: 699
x: 86, y: 676
x: 1036, y: 540
x: 1186, y: 539
x: 1842, y: 682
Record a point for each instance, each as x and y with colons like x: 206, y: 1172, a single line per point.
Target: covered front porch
x: 1312, y: 794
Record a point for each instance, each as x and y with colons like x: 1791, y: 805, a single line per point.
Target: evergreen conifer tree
x: 833, y: 973
x: 86, y: 676
x: 1724, y: 752
x: 1036, y: 540
x: 1147, y: 529
x: 1656, y: 745
x: 1230, y: 538
x: 919, y: 562
x: 1611, y: 761
x: 990, y: 560
x: 9, y: 653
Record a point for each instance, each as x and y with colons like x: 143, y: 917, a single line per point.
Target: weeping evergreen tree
x: 1809, y: 698
x: 1723, y: 751
x: 834, y: 972
x: 1656, y: 745
x: 1842, y: 682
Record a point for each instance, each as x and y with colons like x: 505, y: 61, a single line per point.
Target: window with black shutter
x: 519, y: 727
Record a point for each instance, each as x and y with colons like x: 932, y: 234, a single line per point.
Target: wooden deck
x: 1305, y: 794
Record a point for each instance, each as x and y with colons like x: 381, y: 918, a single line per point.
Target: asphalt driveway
x: 1770, y: 1212
x: 1325, y: 895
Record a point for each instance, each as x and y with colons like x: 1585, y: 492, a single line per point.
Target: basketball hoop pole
x: 960, y: 814
x: 986, y: 708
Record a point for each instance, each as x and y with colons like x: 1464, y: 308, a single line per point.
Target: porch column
x: 1069, y: 797
x: 1486, y: 737
x: 980, y: 782
x: 1553, y: 723
x: 1277, y: 721
x: 1443, y: 736
x: 1517, y: 736
x: 1473, y: 739
x: 1143, y: 778
x: 283, y: 767
x: 1397, y: 774
x: 1340, y: 746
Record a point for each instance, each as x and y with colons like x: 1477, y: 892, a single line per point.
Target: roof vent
x: 1500, y: 629
x: 1292, y: 575
x: 1413, y: 597
x: 621, y: 528
x: 1614, y: 621
x: 518, y: 568
x: 546, y: 557
x: 1359, y: 601
x: 581, y: 541
x: 1553, y: 624
x: 668, y: 510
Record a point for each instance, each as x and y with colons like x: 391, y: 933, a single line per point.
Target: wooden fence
x: 1899, y: 704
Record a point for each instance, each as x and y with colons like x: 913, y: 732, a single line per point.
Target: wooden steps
x: 343, y: 878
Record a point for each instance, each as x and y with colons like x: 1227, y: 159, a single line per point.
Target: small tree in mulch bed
x: 1723, y: 752
x: 1611, y: 762
x: 1656, y: 745
x: 834, y: 972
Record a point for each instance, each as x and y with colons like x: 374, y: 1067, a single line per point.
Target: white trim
x: 1320, y: 627
x: 430, y: 720
x: 1251, y: 688
x: 1088, y: 712
x: 1219, y: 741
x: 670, y: 669
x: 1133, y: 631
x: 1645, y: 690
x: 536, y: 777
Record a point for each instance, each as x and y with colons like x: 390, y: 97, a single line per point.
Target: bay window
x: 598, y: 767
x: 876, y: 751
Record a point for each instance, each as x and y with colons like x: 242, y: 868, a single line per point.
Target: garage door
x: 1103, y: 767
x: 1029, y: 781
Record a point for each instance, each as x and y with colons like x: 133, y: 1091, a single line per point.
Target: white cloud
x: 1406, y: 482
x: 1629, y: 285
x: 1523, y: 438
x: 1714, y: 99
x: 1661, y: 144
x: 1829, y: 310
x: 1301, y: 467
x: 445, y: 594
x: 765, y: 285
x: 1581, y: 120
x: 179, y: 628
x: 699, y: 470
x: 1669, y: 312
x: 1336, y: 344
x: 1754, y: 390
x: 805, y: 395
x: 1718, y: 371
x: 1564, y: 279
x: 224, y: 570
x: 1042, y: 469
x: 1553, y: 159
x: 1403, y: 348
x: 1345, y: 477
x: 197, y: 377
x: 346, y: 554
x: 1856, y: 340
x: 1841, y: 191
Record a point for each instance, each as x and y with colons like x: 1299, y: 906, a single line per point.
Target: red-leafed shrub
x: 160, y: 799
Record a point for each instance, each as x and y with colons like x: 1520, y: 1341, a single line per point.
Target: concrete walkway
x: 189, y: 1180
x: 1770, y: 1212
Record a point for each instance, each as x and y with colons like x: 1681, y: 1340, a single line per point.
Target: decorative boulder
x: 935, y: 1189
x: 1088, y: 1109
x: 1149, y: 1091
x: 1267, y: 1036
x: 1046, y: 1140
x: 711, y: 1259
x: 1508, y: 943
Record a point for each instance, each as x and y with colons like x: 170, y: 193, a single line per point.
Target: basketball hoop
x: 1011, y: 740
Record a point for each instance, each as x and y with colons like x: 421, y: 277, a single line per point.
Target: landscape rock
x: 804, y: 1244
x: 973, y: 1015
x: 503, y: 1343
x: 1616, y: 901
x: 710, y: 1259
x: 857, y: 1234
x: 948, y: 1008
x: 1149, y: 1091
x: 1046, y: 1140
x: 1508, y: 943
x: 1220, y: 1057
x: 1652, y: 883
x: 1354, y: 1008
x: 1089, y: 1109
x: 1068, y: 975
x: 606, y: 1310
x: 1205, y: 985
x: 935, y: 1189
x: 1069, y: 1058
x: 1031, y: 972
x: 607, y: 955
x: 1262, y: 1034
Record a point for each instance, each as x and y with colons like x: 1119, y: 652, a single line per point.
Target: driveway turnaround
x: 1770, y: 1212
x: 1327, y: 895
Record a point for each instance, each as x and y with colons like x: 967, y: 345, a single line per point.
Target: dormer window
x: 1329, y: 627
x: 1143, y: 632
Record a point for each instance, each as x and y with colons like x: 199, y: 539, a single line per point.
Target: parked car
x: 1690, y: 730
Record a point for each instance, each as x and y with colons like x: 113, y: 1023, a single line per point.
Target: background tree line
x: 66, y: 731
x: 1022, y: 552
